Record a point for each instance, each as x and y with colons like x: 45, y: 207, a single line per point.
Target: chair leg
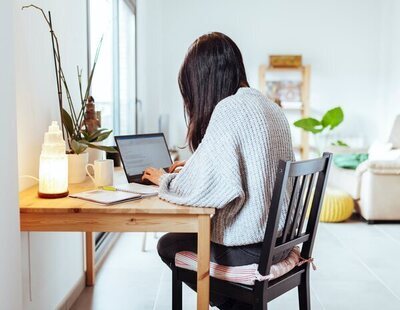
x: 304, y: 291
x: 261, y: 306
x: 260, y: 303
x: 176, y: 291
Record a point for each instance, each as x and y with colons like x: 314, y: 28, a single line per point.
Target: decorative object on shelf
x: 286, y: 81
x: 285, y: 91
x: 76, y: 167
x: 285, y: 61
x: 331, y: 119
x: 53, y: 167
x: 91, y: 122
x: 92, y: 134
x: 78, y: 136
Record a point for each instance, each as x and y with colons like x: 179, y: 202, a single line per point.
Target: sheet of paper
x: 148, y: 190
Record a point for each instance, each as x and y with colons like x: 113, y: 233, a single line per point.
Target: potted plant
x: 322, y: 128
x: 79, y: 130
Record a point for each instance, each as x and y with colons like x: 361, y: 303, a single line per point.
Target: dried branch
x: 40, y: 9
x: 57, y: 61
x: 81, y: 115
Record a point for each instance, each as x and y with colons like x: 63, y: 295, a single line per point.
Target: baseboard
x: 73, y: 294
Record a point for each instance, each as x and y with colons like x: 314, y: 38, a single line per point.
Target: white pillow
x: 395, y: 133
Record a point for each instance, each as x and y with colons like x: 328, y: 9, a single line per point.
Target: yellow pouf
x: 337, y: 206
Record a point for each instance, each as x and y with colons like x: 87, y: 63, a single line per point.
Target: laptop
x: 139, y: 152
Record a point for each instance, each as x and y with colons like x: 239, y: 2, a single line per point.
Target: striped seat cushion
x: 246, y: 274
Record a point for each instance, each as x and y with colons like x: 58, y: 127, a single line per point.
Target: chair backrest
x: 298, y: 186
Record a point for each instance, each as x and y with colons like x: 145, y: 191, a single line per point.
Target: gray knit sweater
x: 234, y: 167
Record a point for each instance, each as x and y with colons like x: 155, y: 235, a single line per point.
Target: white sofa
x: 375, y: 184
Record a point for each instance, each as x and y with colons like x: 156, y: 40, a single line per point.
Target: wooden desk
x: 149, y: 214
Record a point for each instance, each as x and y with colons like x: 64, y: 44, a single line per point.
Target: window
x: 114, y: 85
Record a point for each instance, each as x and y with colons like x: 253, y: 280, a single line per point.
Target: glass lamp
x: 53, y: 168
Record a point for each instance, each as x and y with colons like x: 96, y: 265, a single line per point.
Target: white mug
x: 103, y: 172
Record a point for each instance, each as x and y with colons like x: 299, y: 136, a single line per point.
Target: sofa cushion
x: 384, y: 166
x: 246, y: 274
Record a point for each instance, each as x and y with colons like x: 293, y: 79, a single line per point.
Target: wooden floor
x: 358, y: 268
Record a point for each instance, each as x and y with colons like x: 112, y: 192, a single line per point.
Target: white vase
x: 323, y: 141
x: 95, y: 154
x: 77, y: 167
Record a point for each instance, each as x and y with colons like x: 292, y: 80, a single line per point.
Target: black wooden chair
x: 297, y: 183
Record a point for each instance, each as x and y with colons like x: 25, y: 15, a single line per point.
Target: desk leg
x: 203, y: 267
x: 90, y: 272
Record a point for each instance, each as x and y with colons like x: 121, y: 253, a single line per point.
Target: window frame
x: 116, y: 61
x: 103, y: 240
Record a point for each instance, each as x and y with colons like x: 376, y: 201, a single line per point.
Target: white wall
x: 342, y: 40
x: 390, y: 105
x: 52, y: 263
x: 10, y: 271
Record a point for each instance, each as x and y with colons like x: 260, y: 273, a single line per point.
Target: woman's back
x: 234, y: 167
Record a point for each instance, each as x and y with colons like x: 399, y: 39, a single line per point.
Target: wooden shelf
x: 273, y: 69
x: 305, y: 94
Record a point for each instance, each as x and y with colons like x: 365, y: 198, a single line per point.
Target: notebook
x: 118, y: 194
x: 106, y: 197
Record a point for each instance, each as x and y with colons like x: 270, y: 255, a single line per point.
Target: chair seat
x: 246, y: 274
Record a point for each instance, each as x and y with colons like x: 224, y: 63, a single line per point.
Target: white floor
x: 358, y: 268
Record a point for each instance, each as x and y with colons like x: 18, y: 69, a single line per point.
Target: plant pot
x: 77, y: 167
x: 323, y: 141
x: 95, y: 154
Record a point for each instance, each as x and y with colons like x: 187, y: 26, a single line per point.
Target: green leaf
x: 332, y: 118
x: 93, y: 136
x: 96, y: 136
x: 309, y: 124
x: 85, y: 135
x: 78, y: 147
x: 108, y: 149
x: 67, y: 120
x: 340, y: 143
x: 103, y: 136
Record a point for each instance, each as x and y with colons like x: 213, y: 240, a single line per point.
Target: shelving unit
x: 303, y: 107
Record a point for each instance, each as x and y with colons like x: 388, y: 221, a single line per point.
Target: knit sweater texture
x: 234, y: 167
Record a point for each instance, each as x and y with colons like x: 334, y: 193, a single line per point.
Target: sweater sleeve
x: 211, y: 177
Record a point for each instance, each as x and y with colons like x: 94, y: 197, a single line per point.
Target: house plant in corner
x: 77, y: 130
x: 81, y: 131
x: 322, y: 128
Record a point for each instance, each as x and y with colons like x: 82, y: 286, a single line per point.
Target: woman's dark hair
x: 213, y: 69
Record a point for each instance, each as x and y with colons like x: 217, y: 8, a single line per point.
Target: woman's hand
x: 153, y: 175
x: 176, y: 165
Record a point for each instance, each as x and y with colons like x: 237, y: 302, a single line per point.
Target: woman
x: 238, y: 137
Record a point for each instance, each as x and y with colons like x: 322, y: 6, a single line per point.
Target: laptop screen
x: 141, y: 151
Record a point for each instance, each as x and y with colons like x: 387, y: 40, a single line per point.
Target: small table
x: 147, y: 214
